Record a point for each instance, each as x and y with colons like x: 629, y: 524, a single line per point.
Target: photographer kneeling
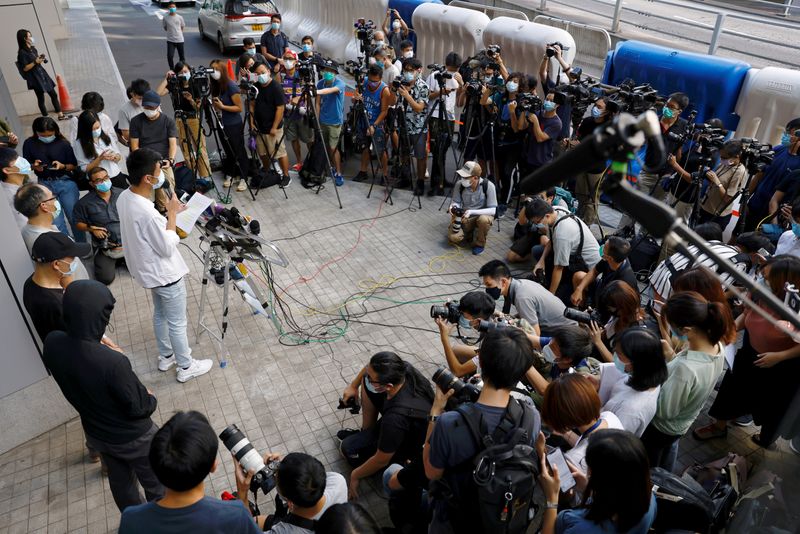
x: 473, y: 307
x: 473, y: 208
x: 402, y: 396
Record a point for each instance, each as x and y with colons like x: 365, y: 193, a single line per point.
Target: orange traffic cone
x: 63, y: 95
x: 231, y: 74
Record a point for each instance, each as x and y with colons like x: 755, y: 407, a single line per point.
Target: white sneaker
x: 227, y: 182
x: 164, y: 364
x: 197, y: 368
x: 241, y: 186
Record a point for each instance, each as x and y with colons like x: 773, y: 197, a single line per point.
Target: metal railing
x: 486, y: 9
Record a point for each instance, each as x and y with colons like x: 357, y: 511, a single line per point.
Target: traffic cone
x: 63, y: 95
x: 231, y: 74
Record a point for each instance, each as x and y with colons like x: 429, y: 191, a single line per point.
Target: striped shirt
x: 661, y: 277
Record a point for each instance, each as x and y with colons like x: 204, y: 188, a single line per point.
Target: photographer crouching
x: 474, y: 309
x: 473, y: 208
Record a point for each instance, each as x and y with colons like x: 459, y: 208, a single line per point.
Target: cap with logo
x: 52, y: 246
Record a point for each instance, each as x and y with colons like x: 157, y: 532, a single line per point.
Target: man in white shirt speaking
x: 154, y: 261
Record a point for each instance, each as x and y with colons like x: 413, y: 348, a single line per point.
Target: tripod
x: 473, y: 110
x: 404, y: 149
x: 310, y: 94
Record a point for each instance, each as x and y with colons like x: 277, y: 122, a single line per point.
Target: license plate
x: 257, y: 27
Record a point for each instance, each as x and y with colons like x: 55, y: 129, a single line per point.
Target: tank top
x: 372, y: 101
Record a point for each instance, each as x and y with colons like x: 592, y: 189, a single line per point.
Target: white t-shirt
x: 105, y: 124
x: 634, y: 409
x: 788, y: 243
x: 335, y: 493
x: 449, y: 100
x: 111, y: 167
x: 577, y: 454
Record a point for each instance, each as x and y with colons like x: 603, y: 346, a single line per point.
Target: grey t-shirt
x: 537, y: 305
x: 567, y: 238
x: 475, y: 200
x: 335, y: 493
x: 127, y: 112
x: 154, y: 134
x: 174, y: 25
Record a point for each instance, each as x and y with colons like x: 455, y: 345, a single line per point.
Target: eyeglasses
x: 48, y: 200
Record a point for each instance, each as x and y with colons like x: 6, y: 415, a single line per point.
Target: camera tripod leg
x: 309, y: 96
x: 201, y: 326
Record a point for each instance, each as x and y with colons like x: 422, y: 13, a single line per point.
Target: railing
x: 483, y: 8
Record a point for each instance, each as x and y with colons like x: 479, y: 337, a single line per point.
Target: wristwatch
x: 432, y: 418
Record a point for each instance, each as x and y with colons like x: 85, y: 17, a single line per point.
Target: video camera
x: 306, y: 71
x: 584, y: 317
x: 528, y: 102
x: 449, y: 311
x: 397, y: 82
x: 756, y: 156
x: 365, y: 29
x: 489, y: 326
x: 635, y: 99
x: 250, y: 460
x: 462, y: 391
x: 200, y: 82
x: 440, y: 73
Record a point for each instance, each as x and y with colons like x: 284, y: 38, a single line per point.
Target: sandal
x: 707, y: 432
x: 62, y: 117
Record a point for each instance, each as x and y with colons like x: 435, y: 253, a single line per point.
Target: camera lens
x: 241, y: 448
x: 577, y: 315
x: 447, y: 381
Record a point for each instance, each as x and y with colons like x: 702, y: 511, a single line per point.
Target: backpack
x: 504, y: 472
x: 567, y: 197
x: 643, y: 256
x: 315, y: 165
x: 576, y: 261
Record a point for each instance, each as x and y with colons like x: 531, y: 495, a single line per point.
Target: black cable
x: 337, y: 225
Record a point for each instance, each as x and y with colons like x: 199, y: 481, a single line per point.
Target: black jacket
x: 99, y: 382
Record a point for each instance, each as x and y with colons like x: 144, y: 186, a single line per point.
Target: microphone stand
x: 619, y: 141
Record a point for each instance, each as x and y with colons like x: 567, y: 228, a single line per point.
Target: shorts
x: 265, y: 145
x: 299, y: 129
x: 331, y: 134
x: 524, y: 245
x: 379, y: 140
x: 420, y: 147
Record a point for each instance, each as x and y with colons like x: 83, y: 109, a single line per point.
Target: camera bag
x: 315, y: 165
x: 576, y: 261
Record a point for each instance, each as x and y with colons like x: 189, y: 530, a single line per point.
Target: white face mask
x: 396, y: 25
x: 548, y: 354
x: 151, y: 113
x: 216, y: 75
x: 408, y: 54
x: 466, y: 182
x: 288, y: 63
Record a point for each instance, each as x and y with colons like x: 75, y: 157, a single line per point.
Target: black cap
x: 53, y: 246
x: 330, y: 64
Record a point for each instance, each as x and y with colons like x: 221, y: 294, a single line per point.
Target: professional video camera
x: 581, y: 93
x: 449, y: 311
x: 462, y: 391
x: 585, y: 317
x: 250, y: 460
x: 636, y: 99
x: 440, y: 73
x: 365, y: 29
x: 200, y: 82
x: 238, y: 235
x: 551, y: 51
x: 306, y: 71
x: 528, y: 102
x: 756, y: 156
x: 247, y: 87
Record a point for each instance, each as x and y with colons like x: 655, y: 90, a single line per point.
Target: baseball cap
x: 470, y: 169
x: 289, y: 52
x: 52, y: 246
x: 330, y: 65
x: 151, y: 98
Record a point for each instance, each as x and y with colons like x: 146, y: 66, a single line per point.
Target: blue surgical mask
x: 47, y: 139
x: 548, y: 105
x: 250, y: 51
x: 97, y: 133
x: 512, y: 87
x: 488, y: 79
x: 307, y: 48
x: 173, y: 10
x: 23, y: 165
x: 463, y: 323
x: 618, y: 364
x: 786, y: 139
x: 160, y: 182
x: 370, y: 387
x: 548, y: 354
x: 597, y: 112
x: 104, y: 187
x: 57, y: 208
x: 276, y: 25
x: 667, y: 113
x: 328, y: 76
x: 494, y: 292
x: 264, y: 78
x: 677, y: 335
x: 796, y: 229
x: 73, y: 267
x: 408, y: 76
x: 601, y: 250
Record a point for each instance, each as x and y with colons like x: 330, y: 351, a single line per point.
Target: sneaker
x: 227, y: 182
x: 501, y: 210
x: 197, y: 368
x: 297, y: 166
x: 476, y: 251
x: 745, y: 420
x: 165, y: 363
x: 360, y: 177
x: 287, y: 179
x: 339, y: 179
x: 241, y: 186
x: 345, y: 433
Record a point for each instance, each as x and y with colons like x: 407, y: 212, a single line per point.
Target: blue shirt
x: 331, y: 108
x: 372, y: 101
x: 230, y: 118
x: 781, y: 165
x: 574, y: 522
x: 206, y: 516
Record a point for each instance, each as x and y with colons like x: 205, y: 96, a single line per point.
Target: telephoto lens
x: 249, y: 458
x: 488, y: 326
x: 449, y: 311
x: 584, y: 317
x: 462, y: 391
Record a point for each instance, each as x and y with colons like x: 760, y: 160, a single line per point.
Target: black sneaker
x: 360, y: 177
x: 345, y: 433
x: 287, y: 179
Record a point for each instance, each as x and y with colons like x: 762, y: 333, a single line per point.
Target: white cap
x: 470, y: 169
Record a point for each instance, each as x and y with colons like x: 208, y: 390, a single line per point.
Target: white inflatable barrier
x: 442, y: 29
x: 592, y: 43
x: 770, y: 97
x: 523, y: 43
x: 290, y: 18
x: 374, y: 10
x: 311, y: 20
x: 336, y: 36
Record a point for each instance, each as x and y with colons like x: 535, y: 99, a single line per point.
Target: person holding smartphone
x: 29, y: 64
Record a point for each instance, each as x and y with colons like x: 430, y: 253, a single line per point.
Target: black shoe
x: 345, y: 433
x: 286, y: 180
x: 360, y: 177
x: 419, y: 190
x: 431, y: 192
x: 405, y: 183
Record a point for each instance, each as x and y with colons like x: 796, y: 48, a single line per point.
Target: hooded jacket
x: 97, y: 381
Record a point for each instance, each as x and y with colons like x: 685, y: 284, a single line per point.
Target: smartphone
x: 185, y: 197
x: 556, y: 458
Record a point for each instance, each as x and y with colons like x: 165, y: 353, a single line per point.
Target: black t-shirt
x: 672, y: 146
x: 44, y: 307
x: 401, y: 434
x: 585, y: 128
x: 153, y: 134
x: 624, y: 273
x: 267, y: 102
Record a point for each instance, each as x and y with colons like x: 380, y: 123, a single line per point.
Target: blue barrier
x: 713, y: 83
x: 406, y: 9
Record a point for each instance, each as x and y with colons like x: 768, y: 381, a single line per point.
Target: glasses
x: 48, y: 200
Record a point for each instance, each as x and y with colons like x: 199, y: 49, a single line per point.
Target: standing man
x: 414, y: 91
x: 398, y: 31
x: 156, y: 131
x: 377, y: 98
x: 273, y: 43
x: 330, y: 106
x: 266, y: 115
x: 131, y: 108
x: 14, y: 171
x: 98, y: 381
x: 442, y: 128
x: 296, y: 123
x: 174, y: 25
x: 153, y: 260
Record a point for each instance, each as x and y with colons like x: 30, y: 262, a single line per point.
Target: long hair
x: 391, y: 369
x: 46, y: 124
x: 86, y: 121
x: 783, y: 269
x: 21, y: 35
x: 691, y: 309
x: 619, y: 484
x: 643, y: 348
x: 625, y: 300
x: 218, y: 87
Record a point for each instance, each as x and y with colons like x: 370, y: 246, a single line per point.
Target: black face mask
x: 494, y: 292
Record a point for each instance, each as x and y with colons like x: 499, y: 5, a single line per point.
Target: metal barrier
x: 483, y: 8
x: 592, y: 43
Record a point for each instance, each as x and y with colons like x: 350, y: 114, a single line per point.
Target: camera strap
x: 512, y: 293
x: 302, y: 522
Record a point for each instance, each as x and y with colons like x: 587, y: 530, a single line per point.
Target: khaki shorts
x: 331, y: 134
x: 265, y: 145
x: 299, y: 129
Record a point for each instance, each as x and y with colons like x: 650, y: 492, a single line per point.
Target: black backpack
x: 315, y: 165
x: 504, y: 474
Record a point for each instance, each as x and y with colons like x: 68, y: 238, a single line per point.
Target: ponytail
x: 691, y: 309
x: 391, y: 369
x: 719, y: 325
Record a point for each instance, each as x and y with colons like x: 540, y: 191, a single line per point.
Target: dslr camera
x: 528, y: 102
x: 584, y: 317
x: 551, y: 51
x: 462, y: 391
x: 492, y: 50
x: 448, y: 311
x: 247, y: 456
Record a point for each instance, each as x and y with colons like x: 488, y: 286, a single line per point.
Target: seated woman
x: 617, y: 490
x: 629, y: 387
x: 619, y: 302
x: 570, y: 348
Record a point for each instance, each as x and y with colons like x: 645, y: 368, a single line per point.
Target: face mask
x: 494, y: 292
x: 732, y: 163
x: 463, y: 323
x: 328, y: 76
x: 57, y: 208
x: 396, y: 25
x: 786, y: 139
x: 250, y: 51
x: 408, y: 76
x: 540, y: 226
x: 762, y: 281
x: 187, y: 75
x: 512, y: 87
x: 151, y: 113
x: 173, y: 10
x: 104, y: 187
x: 97, y: 133
x: 378, y: 43
x: 408, y: 54
x: 264, y: 78
x: 276, y: 25
x: 370, y: 387
x: 601, y: 250
x: 307, y: 48
x: 160, y: 182
x: 465, y: 182
x: 548, y: 354
x: 48, y: 139
x: 597, y: 112
x: 73, y: 266
x: 796, y: 229
x: 23, y: 165
x: 488, y: 79
x: 619, y: 365
x: 288, y: 63
x: 33, y: 41
x: 548, y: 105
x: 677, y: 335
x: 216, y: 75
x: 667, y: 113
